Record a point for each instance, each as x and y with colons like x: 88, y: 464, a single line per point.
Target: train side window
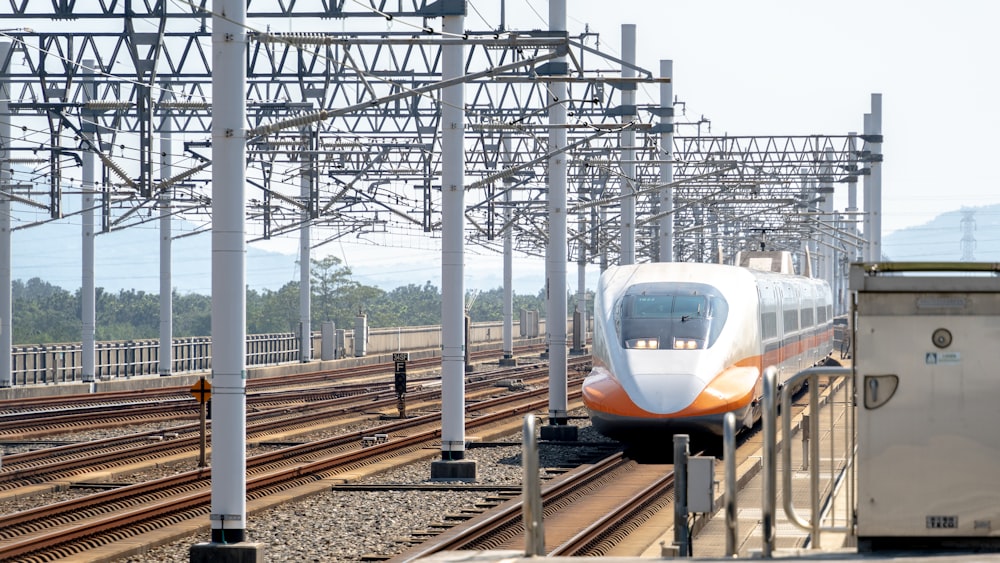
x: 769, y: 324
x: 807, y: 317
x: 719, y: 313
x: 791, y: 319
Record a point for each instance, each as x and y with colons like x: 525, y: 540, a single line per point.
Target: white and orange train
x: 679, y: 345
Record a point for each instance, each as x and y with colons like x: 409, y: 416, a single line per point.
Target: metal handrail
x: 534, y: 530
x: 770, y: 471
x: 813, y: 525
x: 682, y: 533
x: 729, y: 500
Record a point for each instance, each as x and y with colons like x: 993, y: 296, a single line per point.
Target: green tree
x: 43, y: 313
x: 280, y: 310
x: 410, y: 305
x: 329, y: 281
x: 489, y: 305
x: 192, y: 315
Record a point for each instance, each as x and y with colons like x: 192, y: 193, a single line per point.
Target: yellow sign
x: 202, y: 390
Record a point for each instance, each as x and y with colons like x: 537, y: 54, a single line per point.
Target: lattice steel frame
x: 374, y: 153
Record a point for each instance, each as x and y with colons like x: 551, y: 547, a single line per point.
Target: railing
x: 63, y: 363
x: 839, y: 465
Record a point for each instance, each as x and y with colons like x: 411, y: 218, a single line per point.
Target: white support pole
x: 305, y: 281
x: 876, y: 164
x: 88, y: 300
x: 839, y: 253
x: 452, y: 243
x: 852, y: 190
x: 814, y: 259
x: 666, y: 230
x: 867, y: 193
x: 166, y: 240
x: 806, y: 194
x: 602, y: 219
x: 828, y: 259
x: 508, y: 261
x: 628, y: 181
x: 854, y: 247
x: 580, y: 319
x: 229, y: 41
x: 6, y: 310
x: 555, y: 254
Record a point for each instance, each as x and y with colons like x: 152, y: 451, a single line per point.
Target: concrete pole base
x: 560, y: 433
x: 508, y: 362
x: 243, y: 552
x: 578, y: 351
x: 453, y: 470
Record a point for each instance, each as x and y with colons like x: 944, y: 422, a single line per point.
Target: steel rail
x: 616, y: 520
x: 508, y: 515
x: 38, y: 467
x: 129, y: 517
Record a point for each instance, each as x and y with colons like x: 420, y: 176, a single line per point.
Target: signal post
x: 202, y: 391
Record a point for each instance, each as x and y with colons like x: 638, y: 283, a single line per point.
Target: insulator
x: 495, y: 127
x: 102, y: 105
x: 182, y: 176
x: 117, y: 170
x: 297, y: 39
x: 183, y: 105
x: 344, y: 145
x: 298, y: 121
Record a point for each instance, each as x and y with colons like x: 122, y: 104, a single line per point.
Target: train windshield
x: 671, y: 316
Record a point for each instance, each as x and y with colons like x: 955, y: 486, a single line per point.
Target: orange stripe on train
x: 734, y: 388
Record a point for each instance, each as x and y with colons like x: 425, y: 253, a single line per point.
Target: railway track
x: 586, y: 512
x: 31, y: 470
x: 102, y: 518
x: 598, y: 510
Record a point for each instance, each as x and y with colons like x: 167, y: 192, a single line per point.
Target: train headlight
x: 643, y: 343
x: 688, y: 344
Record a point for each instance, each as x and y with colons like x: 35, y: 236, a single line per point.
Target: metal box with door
x: 927, y: 362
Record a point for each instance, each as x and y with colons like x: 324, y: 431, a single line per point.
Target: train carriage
x: 679, y: 345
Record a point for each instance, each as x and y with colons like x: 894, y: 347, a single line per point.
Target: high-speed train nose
x: 665, y: 392
x: 669, y: 395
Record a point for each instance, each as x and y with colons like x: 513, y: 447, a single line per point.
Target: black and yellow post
x: 202, y: 391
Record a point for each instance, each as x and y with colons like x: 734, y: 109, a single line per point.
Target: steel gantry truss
x: 358, y: 113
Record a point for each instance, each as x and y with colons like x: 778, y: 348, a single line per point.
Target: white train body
x: 678, y: 345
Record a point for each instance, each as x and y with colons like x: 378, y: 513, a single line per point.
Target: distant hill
x: 130, y: 259
x: 941, y: 238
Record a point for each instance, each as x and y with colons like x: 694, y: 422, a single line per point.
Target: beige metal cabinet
x: 927, y: 361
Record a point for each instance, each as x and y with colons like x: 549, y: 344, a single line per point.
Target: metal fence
x: 60, y: 363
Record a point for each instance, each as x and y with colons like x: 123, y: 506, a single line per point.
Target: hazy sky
x: 782, y: 67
